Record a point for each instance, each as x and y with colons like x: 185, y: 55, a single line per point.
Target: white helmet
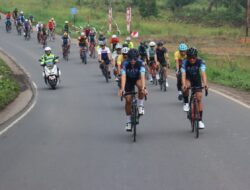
x: 152, y: 44
x: 118, y: 46
x: 125, y: 50
x: 26, y: 20
x: 47, y: 48
x: 114, y: 36
x: 82, y: 34
x: 128, y: 38
x: 21, y: 12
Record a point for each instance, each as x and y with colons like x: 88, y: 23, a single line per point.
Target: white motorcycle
x: 51, y: 74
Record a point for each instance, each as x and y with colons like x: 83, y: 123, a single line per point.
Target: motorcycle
x: 51, y: 74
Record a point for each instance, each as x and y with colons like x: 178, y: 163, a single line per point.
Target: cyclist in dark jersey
x: 163, y: 59
x: 193, y: 74
x: 133, y: 74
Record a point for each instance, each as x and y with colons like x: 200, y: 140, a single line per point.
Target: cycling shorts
x: 130, y: 84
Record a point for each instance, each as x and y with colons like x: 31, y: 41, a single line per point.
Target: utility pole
x: 247, y: 17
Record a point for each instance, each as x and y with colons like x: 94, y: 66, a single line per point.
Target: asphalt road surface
x: 74, y: 137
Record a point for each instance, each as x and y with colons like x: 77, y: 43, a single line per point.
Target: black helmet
x: 159, y: 43
x: 133, y: 54
x: 192, y: 52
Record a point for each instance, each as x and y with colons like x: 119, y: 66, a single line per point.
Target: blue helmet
x: 183, y: 47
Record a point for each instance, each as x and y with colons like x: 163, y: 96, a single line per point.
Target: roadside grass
x: 9, y: 88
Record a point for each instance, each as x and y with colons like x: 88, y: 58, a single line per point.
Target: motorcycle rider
x: 48, y: 57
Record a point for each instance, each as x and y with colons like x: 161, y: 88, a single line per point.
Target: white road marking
x: 224, y: 95
x: 23, y: 114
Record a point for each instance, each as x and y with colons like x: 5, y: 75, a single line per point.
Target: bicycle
x: 193, y: 114
x: 92, y: 50
x: 83, y: 55
x: 135, y: 116
x: 105, y: 70
x: 162, y: 80
x: 66, y: 52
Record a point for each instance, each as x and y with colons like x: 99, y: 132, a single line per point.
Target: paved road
x: 74, y: 138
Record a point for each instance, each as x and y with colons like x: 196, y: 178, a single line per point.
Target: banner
x: 110, y: 19
x: 129, y: 19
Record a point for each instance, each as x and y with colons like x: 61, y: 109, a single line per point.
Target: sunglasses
x: 192, y: 58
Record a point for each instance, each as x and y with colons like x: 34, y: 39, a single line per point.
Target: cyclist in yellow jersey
x: 179, y: 56
x: 122, y: 58
x: 130, y: 44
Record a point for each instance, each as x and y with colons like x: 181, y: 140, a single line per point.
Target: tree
x: 147, y: 8
x: 178, y: 4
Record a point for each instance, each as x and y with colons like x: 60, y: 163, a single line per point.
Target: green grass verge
x: 9, y: 88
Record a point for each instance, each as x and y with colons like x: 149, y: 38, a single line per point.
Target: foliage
x: 147, y: 8
x: 9, y: 88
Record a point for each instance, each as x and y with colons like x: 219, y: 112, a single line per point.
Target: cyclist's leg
x: 185, y: 96
x: 129, y: 87
x: 140, y: 102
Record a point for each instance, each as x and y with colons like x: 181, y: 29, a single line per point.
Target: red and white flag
x: 134, y: 34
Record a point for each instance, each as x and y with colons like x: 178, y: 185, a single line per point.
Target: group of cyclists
x: 131, y: 66
x: 21, y: 23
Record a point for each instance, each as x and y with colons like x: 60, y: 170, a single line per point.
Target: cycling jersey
x: 65, y: 40
x: 161, y: 55
x: 92, y: 38
x: 82, y: 42
x: 8, y: 16
x: 133, y: 71
x: 51, y: 25
x: 26, y: 25
x: 179, y: 57
x: 193, y: 71
x: 151, y: 54
x: 120, y: 59
x: 104, y: 54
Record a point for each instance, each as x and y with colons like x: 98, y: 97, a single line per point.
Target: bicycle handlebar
x: 194, y: 89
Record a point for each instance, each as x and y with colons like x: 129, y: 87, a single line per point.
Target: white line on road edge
x: 23, y: 114
x: 224, y: 95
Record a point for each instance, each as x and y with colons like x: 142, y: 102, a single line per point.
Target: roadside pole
x: 247, y: 17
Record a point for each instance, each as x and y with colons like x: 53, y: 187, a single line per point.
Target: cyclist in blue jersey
x: 133, y: 74
x: 193, y: 75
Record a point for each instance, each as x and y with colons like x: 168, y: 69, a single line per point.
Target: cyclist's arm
x: 155, y: 58
x: 183, y: 75
x: 123, y: 79
x: 167, y: 58
x: 142, y: 71
x: 203, y: 74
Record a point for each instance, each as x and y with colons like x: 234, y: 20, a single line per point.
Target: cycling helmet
x: 21, y: 12
x: 52, y: 19
x: 125, y: 44
x: 125, y: 50
x: 47, y: 49
x: 82, y: 34
x: 114, y: 36
x: 183, y: 47
x: 101, y: 43
x: 118, y: 46
x: 133, y: 54
x: 128, y: 38
x: 192, y: 52
x: 159, y: 43
x: 66, y: 22
x: 65, y: 34
x: 26, y: 20
x: 152, y: 44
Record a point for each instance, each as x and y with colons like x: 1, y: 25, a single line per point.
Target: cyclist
x: 104, y: 56
x: 48, y: 57
x: 92, y: 41
x: 66, y: 26
x: 83, y: 43
x: 133, y: 74
x: 66, y: 41
x: 179, y: 56
x: 102, y: 37
x: 113, y: 41
x: 21, y: 17
x: 27, y: 27
x: 152, y: 60
x: 8, y: 19
x: 121, y: 58
x: 31, y: 18
x: 15, y: 14
x: 143, y: 51
x: 130, y: 44
x: 87, y: 30
x: 39, y: 31
x: 193, y: 75
x: 115, y: 56
x: 163, y: 59
x: 50, y: 26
